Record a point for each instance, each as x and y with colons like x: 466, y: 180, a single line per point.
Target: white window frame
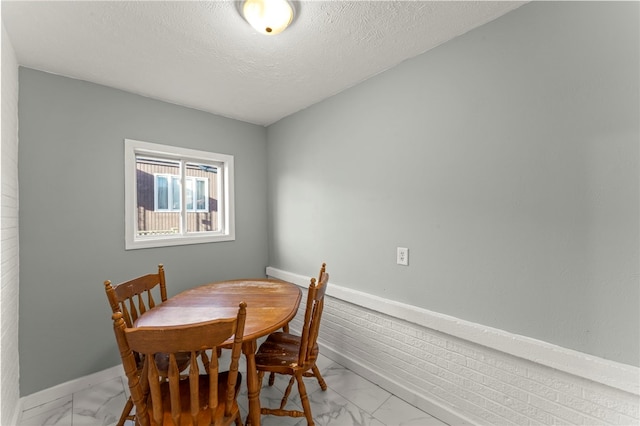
x: 226, y: 211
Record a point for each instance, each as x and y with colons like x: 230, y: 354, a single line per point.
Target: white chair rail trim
x: 617, y: 375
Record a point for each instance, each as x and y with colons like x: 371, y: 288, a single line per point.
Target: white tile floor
x: 350, y: 400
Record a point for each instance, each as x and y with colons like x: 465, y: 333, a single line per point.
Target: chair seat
x: 204, y: 417
x: 282, y: 349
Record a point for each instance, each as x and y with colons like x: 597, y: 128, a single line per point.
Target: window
x: 167, y: 193
x: 176, y: 196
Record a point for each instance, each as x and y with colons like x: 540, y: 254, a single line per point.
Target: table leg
x: 249, y: 350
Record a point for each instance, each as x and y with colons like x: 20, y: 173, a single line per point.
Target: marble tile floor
x: 350, y: 400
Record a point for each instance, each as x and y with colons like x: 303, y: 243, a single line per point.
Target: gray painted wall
x: 72, y: 216
x: 506, y: 160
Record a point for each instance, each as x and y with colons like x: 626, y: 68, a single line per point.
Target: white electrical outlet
x: 402, y: 256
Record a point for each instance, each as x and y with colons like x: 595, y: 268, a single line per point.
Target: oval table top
x: 270, y: 305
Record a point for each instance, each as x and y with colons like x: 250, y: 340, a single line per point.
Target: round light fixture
x: 268, y: 17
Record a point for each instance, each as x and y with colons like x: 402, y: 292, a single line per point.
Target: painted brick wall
x: 463, y: 382
x: 9, y: 361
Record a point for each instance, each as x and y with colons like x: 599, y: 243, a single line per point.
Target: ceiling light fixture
x: 268, y: 17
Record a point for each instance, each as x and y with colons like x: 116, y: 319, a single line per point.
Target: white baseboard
x: 72, y: 386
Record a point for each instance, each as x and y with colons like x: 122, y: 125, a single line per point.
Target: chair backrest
x: 135, y: 297
x: 176, y: 340
x: 312, y: 316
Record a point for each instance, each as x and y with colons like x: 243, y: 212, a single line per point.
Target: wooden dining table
x: 271, y: 304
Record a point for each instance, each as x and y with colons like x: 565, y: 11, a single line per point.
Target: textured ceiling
x: 203, y: 55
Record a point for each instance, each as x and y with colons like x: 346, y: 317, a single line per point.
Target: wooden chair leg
x: 305, y: 400
x: 125, y: 413
x: 287, y: 393
x: 321, y: 382
x: 272, y: 378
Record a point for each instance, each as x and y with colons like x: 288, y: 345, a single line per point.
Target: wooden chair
x: 318, y: 376
x: 201, y: 399
x: 133, y: 298
x: 289, y: 354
